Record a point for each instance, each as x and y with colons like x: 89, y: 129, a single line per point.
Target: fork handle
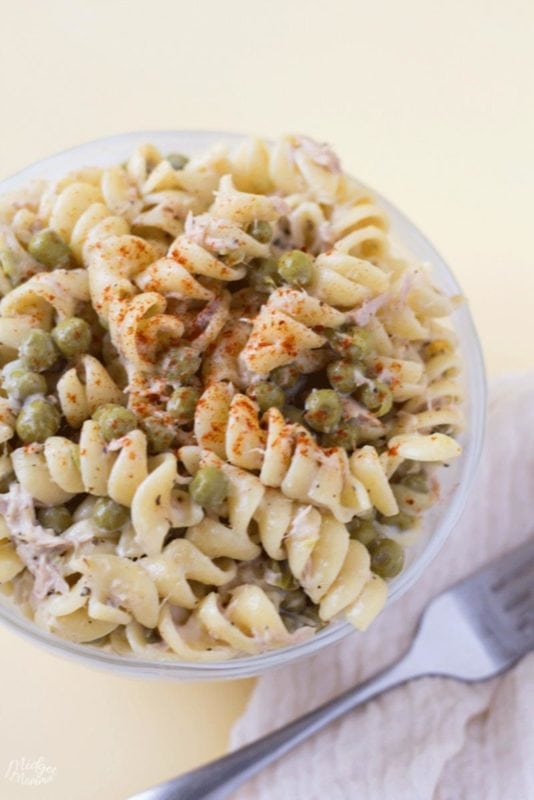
x: 219, y: 778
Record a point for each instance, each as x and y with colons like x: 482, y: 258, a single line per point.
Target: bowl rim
x: 474, y: 376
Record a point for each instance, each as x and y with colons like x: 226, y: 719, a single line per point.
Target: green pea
x: 377, y: 397
x: 261, y: 231
x: 296, y: 267
x: 20, y: 384
x: 308, y: 617
x: 435, y: 348
x: 9, y: 266
x: 109, y: 515
x: 362, y: 530
x: 38, y: 351
x: 72, y: 337
x: 263, y: 274
x: 345, y: 436
x: 417, y: 482
x: 268, y: 395
x: 341, y: 376
x: 160, y: 437
x: 360, y: 342
x: 48, y: 247
x: 294, y: 602
x: 294, y: 414
x: 114, y: 421
x: 286, y: 376
x: 177, y: 160
x: 181, y: 363
x: 37, y: 421
x: 209, y: 487
x: 323, y: 410
x: 278, y: 574
x: 387, y: 557
x: 401, y: 520
x: 182, y: 404
x: 234, y: 257
x: 58, y: 518
x: 353, y: 343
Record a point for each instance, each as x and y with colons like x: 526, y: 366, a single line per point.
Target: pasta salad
x: 225, y: 395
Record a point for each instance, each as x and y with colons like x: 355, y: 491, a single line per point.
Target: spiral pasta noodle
x: 248, y: 624
x: 284, y: 329
x: 225, y: 395
x: 288, y: 457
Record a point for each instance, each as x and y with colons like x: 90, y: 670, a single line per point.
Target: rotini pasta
x: 225, y: 395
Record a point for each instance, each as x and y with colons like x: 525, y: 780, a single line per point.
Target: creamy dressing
x: 35, y: 545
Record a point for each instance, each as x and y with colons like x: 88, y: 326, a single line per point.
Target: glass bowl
x: 455, y: 481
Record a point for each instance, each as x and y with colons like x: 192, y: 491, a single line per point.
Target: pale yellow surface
x: 431, y: 102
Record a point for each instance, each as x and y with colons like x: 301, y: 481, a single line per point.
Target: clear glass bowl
x: 455, y: 481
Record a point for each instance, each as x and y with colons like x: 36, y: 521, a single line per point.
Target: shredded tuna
x: 320, y: 153
x: 80, y: 533
x: 223, y: 245
x: 303, y: 634
x: 195, y: 227
x: 209, y: 322
x: 386, y: 375
x: 206, y: 315
x: 368, y: 309
x: 22, y: 588
x: 326, y: 235
x: 404, y: 289
x: 353, y: 410
x: 361, y: 379
x: 280, y: 205
x: 118, y: 444
x: 329, y: 458
x: 217, y: 235
x: 35, y: 545
x: 397, y: 296
x: 265, y: 638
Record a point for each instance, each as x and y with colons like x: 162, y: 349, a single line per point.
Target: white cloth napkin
x: 434, y: 738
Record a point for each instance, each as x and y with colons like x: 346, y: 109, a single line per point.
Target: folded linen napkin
x: 434, y: 738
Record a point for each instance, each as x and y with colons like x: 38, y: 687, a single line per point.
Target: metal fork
x: 475, y: 630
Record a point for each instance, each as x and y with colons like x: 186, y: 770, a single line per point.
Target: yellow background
x: 430, y: 102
